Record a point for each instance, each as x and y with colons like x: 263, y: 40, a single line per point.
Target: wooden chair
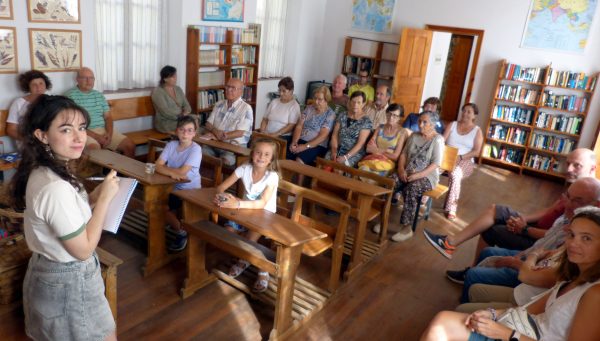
x: 335, y: 234
x: 282, y: 143
x: 211, y: 169
x: 448, y: 164
x: 381, y: 205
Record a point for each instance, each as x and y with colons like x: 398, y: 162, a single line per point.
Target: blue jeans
x: 497, y: 276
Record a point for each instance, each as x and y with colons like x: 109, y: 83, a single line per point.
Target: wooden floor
x: 392, y: 299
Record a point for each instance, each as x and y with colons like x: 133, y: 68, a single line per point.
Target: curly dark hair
x: 42, y: 112
x: 26, y: 78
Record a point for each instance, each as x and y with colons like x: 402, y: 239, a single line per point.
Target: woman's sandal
x: 262, y: 282
x: 451, y: 215
x: 237, y: 268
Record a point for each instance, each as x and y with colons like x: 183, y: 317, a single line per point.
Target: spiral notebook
x: 117, y: 206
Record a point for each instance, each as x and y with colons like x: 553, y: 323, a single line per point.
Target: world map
x: 559, y: 24
x: 372, y: 15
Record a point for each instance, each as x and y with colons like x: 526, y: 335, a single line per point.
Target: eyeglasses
x: 393, y: 115
x: 575, y: 200
x: 231, y: 87
x: 87, y: 78
x: 188, y: 130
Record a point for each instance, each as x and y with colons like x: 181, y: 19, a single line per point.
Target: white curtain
x: 129, y: 43
x: 271, y: 14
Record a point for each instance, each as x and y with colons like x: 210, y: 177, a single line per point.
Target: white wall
x: 503, y: 22
x: 438, y: 58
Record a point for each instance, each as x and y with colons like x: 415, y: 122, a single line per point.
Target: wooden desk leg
x: 364, y: 204
x: 110, y: 289
x: 155, y: 201
x: 288, y: 259
x: 197, y: 276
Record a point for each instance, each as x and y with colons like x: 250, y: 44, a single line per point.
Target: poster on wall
x: 373, y: 16
x: 6, y: 11
x: 559, y: 25
x: 55, y: 50
x: 8, y: 50
x: 223, y: 10
x: 62, y: 11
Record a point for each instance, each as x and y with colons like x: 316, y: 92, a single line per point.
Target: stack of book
x: 545, y: 163
x: 513, y: 114
x: 243, y: 55
x: 552, y: 143
x: 573, y: 80
x: 208, y: 98
x: 524, y: 74
x: 564, y: 102
x: 517, y: 93
x: 211, y: 57
x: 516, y: 135
x: 211, y: 34
x: 563, y: 123
x: 503, y: 153
x: 246, y: 74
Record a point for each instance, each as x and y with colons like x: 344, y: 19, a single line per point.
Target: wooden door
x: 455, y: 76
x: 411, y: 68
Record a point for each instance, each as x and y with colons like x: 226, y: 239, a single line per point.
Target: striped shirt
x: 94, y: 102
x: 238, y: 117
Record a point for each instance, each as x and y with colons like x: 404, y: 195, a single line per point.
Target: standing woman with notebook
x: 63, y: 292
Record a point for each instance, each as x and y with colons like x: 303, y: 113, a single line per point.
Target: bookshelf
x: 537, y: 118
x: 215, y: 54
x: 378, y: 57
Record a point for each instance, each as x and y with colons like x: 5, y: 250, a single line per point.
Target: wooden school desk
x: 157, y: 188
x: 230, y: 147
x: 287, y: 236
x: 366, y: 193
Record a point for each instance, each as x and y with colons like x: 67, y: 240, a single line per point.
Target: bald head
x: 580, y: 163
x: 234, y: 89
x: 85, y: 79
x: 583, y: 192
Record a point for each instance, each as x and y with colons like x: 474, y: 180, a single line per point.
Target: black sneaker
x: 179, y: 243
x: 457, y: 276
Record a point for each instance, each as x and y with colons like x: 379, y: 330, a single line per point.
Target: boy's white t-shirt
x: 55, y: 211
x: 255, y: 190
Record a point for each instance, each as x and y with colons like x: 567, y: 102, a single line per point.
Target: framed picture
x: 63, y: 11
x: 223, y: 10
x: 6, y: 10
x: 8, y: 50
x: 55, y: 50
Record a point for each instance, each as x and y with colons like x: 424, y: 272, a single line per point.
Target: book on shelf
x: 246, y: 74
x: 355, y: 64
x: 513, y: 114
x: 503, y: 153
x: 564, y: 102
x: 247, y: 95
x: 211, y: 78
x: 517, y: 93
x: 560, y: 123
x: 243, y: 55
x: 517, y: 72
x: 211, y: 34
x: 208, y: 98
x: 251, y: 35
x: 573, y: 80
x: 545, y: 163
x: 211, y: 57
x: 552, y: 143
x: 516, y: 135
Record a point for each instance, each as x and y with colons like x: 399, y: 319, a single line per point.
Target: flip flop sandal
x: 237, y: 268
x: 262, y: 282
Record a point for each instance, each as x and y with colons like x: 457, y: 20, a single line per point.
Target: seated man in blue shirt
x: 432, y: 104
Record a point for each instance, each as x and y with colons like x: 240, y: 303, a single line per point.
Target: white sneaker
x: 377, y: 228
x: 405, y: 234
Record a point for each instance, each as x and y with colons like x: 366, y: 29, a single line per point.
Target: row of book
x: 356, y: 64
x: 515, y: 135
x: 218, y: 34
x: 243, y: 55
x: 545, y: 163
x: 247, y: 95
x: 552, y: 143
x: 513, y: 114
x: 211, y: 78
x: 524, y: 74
x: 211, y: 57
x: 208, y: 98
x: 564, y: 102
x: 504, y: 153
x: 562, y: 123
x: 246, y: 74
x: 517, y: 93
x: 573, y: 80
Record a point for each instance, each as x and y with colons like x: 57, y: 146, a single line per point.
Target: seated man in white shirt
x: 230, y: 121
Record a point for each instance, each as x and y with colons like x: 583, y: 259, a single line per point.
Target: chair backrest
x: 211, y: 168
x: 449, y: 159
x: 280, y: 142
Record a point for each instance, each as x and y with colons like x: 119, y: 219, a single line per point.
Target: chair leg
x: 416, y: 219
x: 428, y: 208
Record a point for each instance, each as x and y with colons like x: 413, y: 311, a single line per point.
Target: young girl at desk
x: 63, y: 292
x: 260, y: 178
x: 181, y: 161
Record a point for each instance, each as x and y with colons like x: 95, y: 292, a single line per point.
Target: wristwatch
x: 514, y: 336
x: 307, y: 146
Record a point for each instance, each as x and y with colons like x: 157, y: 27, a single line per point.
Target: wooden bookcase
x: 537, y: 117
x: 215, y: 54
x: 379, y: 57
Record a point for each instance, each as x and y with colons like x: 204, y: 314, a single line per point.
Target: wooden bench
x: 109, y: 264
x: 211, y: 168
x: 335, y: 234
x: 380, y: 206
x: 134, y: 107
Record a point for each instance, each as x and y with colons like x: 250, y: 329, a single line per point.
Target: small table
x: 287, y: 235
x: 366, y: 193
x: 157, y: 188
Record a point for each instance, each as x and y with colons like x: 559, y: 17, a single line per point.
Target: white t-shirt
x: 55, y: 211
x: 17, y: 109
x: 255, y: 190
x: 281, y: 114
x: 465, y: 142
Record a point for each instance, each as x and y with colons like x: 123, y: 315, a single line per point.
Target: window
x: 271, y: 14
x: 129, y: 43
